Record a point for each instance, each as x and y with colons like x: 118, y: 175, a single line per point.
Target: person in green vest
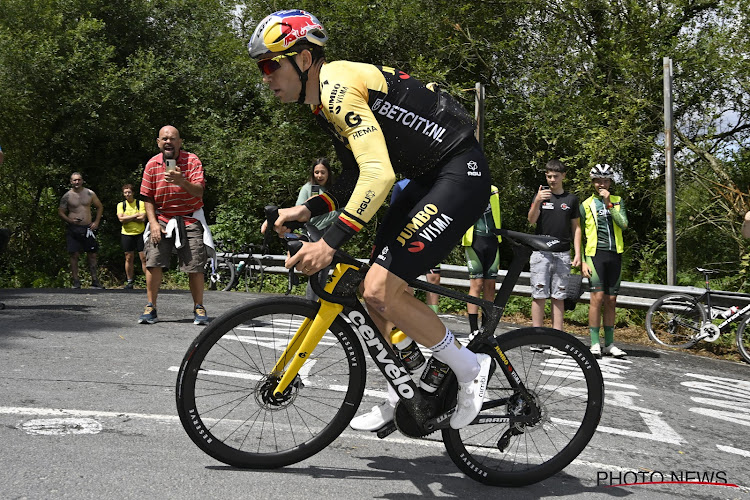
x: 482, y: 255
x: 603, y: 218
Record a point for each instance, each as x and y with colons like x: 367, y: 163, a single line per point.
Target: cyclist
x: 603, y: 217
x: 384, y: 122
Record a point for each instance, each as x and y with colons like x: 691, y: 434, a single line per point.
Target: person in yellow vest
x: 603, y: 218
x: 482, y: 255
x: 132, y: 215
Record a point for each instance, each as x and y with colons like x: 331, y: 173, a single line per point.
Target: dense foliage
x: 86, y: 84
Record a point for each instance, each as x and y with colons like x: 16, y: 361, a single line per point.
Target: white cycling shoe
x: 614, y: 351
x: 375, y: 419
x: 471, y: 395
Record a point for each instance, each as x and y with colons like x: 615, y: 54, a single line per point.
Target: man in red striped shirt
x: 172, y: 186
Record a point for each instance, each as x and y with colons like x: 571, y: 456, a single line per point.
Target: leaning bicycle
x: 273, y: 382
x: 681, y: 320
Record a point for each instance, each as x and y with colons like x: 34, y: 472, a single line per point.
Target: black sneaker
x: 129, y: 285
x: 76, y: 285
x: 149, y: 315
x: 96, y: 285
x: 200, y: 315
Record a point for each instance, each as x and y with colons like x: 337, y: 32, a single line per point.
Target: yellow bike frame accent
x: 309, y: 334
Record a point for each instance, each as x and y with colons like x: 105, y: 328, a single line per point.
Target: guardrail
x: 631, y: 296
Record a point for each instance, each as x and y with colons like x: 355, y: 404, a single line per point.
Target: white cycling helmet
x: 602, y: 171
x: 282, y: 30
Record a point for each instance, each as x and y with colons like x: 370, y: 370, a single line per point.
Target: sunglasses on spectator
x: 268, y: 66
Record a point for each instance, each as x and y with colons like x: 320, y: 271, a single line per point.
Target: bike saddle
x: 539, y: 242
x: 707, y: 271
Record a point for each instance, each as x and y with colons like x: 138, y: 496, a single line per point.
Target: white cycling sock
x: 462, y: 361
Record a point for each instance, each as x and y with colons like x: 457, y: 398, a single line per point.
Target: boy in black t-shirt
x: 555, y: 213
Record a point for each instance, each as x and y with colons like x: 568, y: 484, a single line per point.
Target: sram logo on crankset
x: 398, y: 375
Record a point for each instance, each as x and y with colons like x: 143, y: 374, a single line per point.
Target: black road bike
x: 681, y: 320
x: 273, y: 382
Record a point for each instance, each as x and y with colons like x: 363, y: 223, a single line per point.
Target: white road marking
x: 60, y: 426
x: 736, y: 451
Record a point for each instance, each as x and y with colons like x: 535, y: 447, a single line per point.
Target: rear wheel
x: 221, y: 276
x: 567, y: 393
x: 743, y: 339
x: 675, y: 320
x: 225, y: 386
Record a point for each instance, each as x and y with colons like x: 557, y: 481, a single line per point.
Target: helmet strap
x: 302, y: 78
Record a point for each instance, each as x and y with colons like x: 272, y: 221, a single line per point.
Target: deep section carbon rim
x: 567, y: 395
x: 225, y: 386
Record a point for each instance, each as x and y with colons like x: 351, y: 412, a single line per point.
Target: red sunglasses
x: 268, y: 66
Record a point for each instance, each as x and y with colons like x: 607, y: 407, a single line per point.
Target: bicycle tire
x: 743, y: 339
x: 675, y: 320
x: 568, y: 388
x: 223, y: 386
x: 222, y: 278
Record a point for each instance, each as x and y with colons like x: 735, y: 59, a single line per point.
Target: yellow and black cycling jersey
x: 384, y: 123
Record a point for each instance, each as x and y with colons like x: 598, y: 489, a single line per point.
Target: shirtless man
x: 75, y: 209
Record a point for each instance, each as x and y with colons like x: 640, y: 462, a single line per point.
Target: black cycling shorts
x: 606, y: 270
x: 431, y: 215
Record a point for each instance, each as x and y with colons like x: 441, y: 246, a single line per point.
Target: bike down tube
x: 388, y: 362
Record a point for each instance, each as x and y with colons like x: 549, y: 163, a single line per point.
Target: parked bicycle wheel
x: 250, y: 276
x: 220, y: 277
x: 568, y: 389
x: 743, y: 339
x: 675, y: 320
x: 224, y: 388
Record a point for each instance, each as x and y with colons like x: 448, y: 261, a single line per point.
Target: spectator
x: 173, y: 186
x: 745, y: 222
x: 481, y: 245
x: 132, y: 215
x: 75, y: 209
x: 604, y: 218
x: 555, y: 213
x: 321, y: 177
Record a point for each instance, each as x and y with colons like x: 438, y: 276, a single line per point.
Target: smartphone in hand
x: 171, y: 165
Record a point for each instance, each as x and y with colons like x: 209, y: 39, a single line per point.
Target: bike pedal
x: 386, y: 430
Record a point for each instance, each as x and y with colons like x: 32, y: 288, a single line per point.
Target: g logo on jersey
x: 353, y: 119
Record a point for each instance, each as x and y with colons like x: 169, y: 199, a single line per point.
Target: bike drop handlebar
x: 294, y: 245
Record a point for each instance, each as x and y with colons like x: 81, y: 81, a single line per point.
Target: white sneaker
x: 613, y: 350
x: 375, y: 419
x: 596, y: 350
x: 471, y: 395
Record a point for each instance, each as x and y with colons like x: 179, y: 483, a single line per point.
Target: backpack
x: 138, y: 205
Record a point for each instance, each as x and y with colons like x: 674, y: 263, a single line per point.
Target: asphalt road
x: 87, y: 412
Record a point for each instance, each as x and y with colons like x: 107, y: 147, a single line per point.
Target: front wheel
x: 566, y: 391
x: 225, y: 386
x: 743, y: 339
x: 675, y: 320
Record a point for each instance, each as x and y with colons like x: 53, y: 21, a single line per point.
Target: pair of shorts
x: 191, y: 257
x: 549, y: 275
x: 483, y: 257
x: 431, y: 214
x: 132, y: 242
x: 79, y: 239
x: 606, y: 270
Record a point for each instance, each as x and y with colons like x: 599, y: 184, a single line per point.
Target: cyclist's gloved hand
x: 289, y: 219
x: 311, y: 258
